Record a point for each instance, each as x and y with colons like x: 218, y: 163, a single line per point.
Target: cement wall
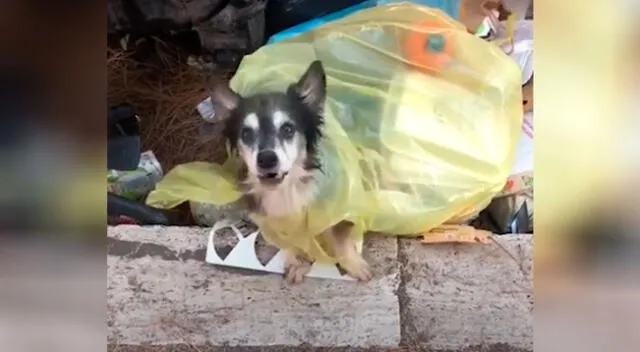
x: 436, y: 297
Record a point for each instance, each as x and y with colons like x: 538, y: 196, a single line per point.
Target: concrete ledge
x: 455, y: 296
x: 448, y: 297
x: 160, y: 292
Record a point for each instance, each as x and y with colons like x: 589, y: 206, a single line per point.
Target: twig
x: 518, y: 262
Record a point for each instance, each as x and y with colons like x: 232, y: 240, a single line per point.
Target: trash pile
x: 511, y: 211
x: 153, y: 125
x: 223, y: 31
x: 171, y: 100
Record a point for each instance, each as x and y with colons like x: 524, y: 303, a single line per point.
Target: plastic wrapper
x: 135, y: 184
x: 421, y: 121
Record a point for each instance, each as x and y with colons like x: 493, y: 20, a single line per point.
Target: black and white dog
x: 276, y: 135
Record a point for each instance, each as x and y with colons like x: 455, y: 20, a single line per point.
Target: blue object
x: 435, y: 43
x: 309, y: 25
x: 448, y: 6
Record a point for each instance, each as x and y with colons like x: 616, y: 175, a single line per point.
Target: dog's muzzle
x: 272, y: 178
x: 267, y: 162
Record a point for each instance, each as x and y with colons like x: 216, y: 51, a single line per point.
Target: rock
x: 427, y: 297
x: 458, y: 296
x: 160, y: 292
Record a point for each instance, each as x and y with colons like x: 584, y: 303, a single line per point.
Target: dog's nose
x: 267, y: 159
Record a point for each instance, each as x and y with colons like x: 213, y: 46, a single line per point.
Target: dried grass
x: 164, y: 93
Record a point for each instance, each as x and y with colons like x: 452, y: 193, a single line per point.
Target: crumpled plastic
x: 421, y: 123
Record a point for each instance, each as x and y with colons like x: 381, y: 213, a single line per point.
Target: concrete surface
x: 452, y: 296
x: 445, y: 297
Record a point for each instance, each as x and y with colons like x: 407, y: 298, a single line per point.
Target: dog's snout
x: 267, y: 159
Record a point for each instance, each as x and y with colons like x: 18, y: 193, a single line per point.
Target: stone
x: 161, y: 292
x: 455, y: 296
x: 423, y: 297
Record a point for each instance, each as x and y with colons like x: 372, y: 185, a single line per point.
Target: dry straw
x: 164, y: 92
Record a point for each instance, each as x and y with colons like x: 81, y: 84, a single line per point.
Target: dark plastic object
x: 282, y: 14
x: 125, y: 116
x: 522, y: 223
x: 225, y: 29
x: 123, y: 138
x: 150, y: 16
x: 123, y: 153
x: 501, y: 218
x: 142, y: 213
x: 237, y: 30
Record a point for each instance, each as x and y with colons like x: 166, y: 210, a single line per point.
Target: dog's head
x: 276, y: 132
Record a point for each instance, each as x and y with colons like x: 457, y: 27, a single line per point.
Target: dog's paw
x: 356, y: 267
x: 296, y: 266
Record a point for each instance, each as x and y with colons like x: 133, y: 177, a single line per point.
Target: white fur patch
x: 251, y: 121
x: 289, y: 197
x: 287, y: 153
x: 279, y: 118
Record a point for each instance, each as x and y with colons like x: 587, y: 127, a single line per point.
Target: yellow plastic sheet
x: 421, y: 122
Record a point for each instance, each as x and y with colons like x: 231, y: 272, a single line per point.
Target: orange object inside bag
x: 430, y: 45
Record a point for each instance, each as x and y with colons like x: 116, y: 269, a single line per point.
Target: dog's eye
x: 287, y: 131
x: 247, y: 135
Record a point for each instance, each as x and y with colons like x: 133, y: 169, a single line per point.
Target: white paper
x: 205, y: 109
x: 244, y: 256
x: 524, y: 149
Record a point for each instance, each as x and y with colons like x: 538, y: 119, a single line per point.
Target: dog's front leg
x: 344, y: 248
x: 296, y: 265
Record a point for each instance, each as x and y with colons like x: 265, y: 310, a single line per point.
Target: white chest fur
x: 295, y: 192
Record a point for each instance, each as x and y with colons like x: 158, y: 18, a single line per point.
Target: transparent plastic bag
x: 421, y: 122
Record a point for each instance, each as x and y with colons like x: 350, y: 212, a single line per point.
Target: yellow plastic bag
x: 421, y: 122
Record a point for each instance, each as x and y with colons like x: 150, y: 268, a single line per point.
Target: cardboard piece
x: 244, y: 256
x: 456, y: 234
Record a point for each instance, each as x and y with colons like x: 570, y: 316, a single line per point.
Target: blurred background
x: 587, y: 249
x: 52, y: 157
x: 52, y: 163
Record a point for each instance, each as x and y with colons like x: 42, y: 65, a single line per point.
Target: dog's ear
x: 224, y: 101
x: 311, y: 89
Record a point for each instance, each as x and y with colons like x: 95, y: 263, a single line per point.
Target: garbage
x: 406, y: 149
x: 224, y: 30
x: 521, y: 51
x: 130, y: 175
x: 286, y: 18
x: 456, y: 234
x: 126, y: 211
x: 123, y: 137
x: 136, y: 184
x: 164, y: 93
x: 512, y: 209
x: 244, y: 254
x: 471, y: 13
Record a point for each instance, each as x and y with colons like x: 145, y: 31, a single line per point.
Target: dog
x: 276, y: 135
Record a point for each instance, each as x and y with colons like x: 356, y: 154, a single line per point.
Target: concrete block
x: 456, y: 296
x: 160, y: 292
